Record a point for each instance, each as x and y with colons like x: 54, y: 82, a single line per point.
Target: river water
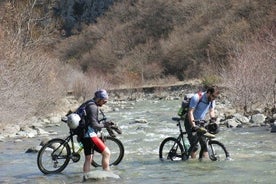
x: 253, y: 153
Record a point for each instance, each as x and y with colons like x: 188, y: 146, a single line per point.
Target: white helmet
x: 73, y: 120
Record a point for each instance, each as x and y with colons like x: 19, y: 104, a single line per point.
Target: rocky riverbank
x: 227, y: 115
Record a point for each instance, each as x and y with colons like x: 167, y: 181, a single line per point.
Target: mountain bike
x: 173, y: 149
x: 55, y: 155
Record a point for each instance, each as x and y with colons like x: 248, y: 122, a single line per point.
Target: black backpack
x: 83, y: 124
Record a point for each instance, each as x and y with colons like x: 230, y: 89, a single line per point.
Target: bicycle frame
x: 70, y: 138
x: 55, y: 155
x: 74, y: 155
x: 181, y: 137
x: 174, y: 148
x: 181, y: 140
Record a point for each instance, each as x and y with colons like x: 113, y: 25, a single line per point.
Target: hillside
x: 145, y: 40
x: 51, y: 47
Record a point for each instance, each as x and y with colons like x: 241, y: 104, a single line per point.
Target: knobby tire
x: 171, y: 150
x: 217, y: 151
x: 54, y: 156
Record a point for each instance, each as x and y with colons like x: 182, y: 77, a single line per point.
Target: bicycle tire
x: 117, y: 152
x: 217, y: 151
x: 54, y: 156
x: 171, y: 149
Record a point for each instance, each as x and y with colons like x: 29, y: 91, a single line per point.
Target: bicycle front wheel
x: 54, y: 156
x: 117, y: 152
x: 170, y: 149
x: 217, y: 151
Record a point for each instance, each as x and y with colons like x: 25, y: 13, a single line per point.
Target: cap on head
x: 101, y: 94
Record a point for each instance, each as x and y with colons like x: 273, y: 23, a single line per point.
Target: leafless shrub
x: 84, y: 86
x: 230, y: 37
x: 182, y: 53
x: 251, y: 74
x: 162, y: 81
x: 29, y: 86
x: 29, y: 82
x: 144, y: 61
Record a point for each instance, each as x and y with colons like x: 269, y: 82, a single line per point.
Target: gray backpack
x: 183, y: 110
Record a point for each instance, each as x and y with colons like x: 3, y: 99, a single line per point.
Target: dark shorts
x: 192, y: 136
x: 92, y: 143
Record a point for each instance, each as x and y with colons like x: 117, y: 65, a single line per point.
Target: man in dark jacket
x: 94, y: 126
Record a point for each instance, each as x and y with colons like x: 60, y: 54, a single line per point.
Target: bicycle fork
x: 211, y: 152
x: 173, y: 151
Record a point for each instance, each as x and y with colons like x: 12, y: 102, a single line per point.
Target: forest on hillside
x: 49, y: 47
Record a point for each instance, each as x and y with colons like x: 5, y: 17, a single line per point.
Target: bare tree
x: 251, y: 74
x: 29, y: 77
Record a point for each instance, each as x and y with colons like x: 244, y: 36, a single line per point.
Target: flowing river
x: 253, y: 153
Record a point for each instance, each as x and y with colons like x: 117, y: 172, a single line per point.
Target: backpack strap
x: 87, y: 104
x: 200, y: 95
x: 180, y: 112
x: 90, y: 102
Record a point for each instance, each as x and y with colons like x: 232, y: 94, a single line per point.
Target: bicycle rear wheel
x: 117, y: 152
x: 217, y: 151
x: 170, y: 149
x: 54, y: 156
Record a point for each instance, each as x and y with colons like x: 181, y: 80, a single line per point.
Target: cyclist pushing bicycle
x: 90, y: 140
x: 193, y: 111
x: 55, y: 155
x: 200, y: 104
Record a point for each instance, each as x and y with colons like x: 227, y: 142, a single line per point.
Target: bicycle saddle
x: 176, y: 118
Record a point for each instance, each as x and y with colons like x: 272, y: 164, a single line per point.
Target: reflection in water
x: 253, y: 151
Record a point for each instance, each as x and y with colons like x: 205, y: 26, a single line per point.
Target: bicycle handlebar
x: 103, y: 119
x: 200, y: 122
